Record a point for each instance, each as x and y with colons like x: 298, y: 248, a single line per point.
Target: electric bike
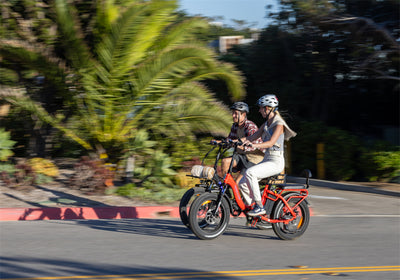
x: 285, y: 204
x: 208, y: 181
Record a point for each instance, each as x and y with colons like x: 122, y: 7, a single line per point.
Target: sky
x: 248, y: 10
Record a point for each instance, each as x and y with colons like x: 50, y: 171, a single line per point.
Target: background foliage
x: 110, y: 70
x: 334, y: 66
x: 137, y: 78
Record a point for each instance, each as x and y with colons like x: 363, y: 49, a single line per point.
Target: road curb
x: 88, y: 213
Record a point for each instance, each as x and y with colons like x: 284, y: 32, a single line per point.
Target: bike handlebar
x: 229, y: 143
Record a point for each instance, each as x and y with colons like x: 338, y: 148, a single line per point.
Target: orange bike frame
x: 302, y: 194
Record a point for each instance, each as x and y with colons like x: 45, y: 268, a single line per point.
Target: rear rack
x: 280, y: 179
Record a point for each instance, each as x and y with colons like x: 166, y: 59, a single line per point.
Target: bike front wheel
x: 295, y: 228
x: 205, y: 219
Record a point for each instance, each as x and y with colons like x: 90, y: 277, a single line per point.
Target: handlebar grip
x: 228, y: 142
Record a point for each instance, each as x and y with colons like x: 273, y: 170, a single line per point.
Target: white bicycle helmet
x: 269, y: 100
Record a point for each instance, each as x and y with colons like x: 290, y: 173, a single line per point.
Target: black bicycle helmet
x: 240, y: 106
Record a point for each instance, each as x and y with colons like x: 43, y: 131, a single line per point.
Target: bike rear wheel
x: 296, y: 227
x: 206, y: 221
x: 187, y: 199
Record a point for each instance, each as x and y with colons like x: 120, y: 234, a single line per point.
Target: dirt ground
x: 59, y: 194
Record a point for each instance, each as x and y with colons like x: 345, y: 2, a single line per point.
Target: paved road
x: 328, y: 201
x: 353, y: 235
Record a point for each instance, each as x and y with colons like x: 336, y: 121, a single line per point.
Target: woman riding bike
x: 273, y: 133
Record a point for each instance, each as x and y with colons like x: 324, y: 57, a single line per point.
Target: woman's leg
x: 246, y: 191
x: 272, y: 166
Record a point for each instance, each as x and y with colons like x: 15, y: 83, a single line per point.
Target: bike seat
x: 278, y: 179
x: 292, y: 186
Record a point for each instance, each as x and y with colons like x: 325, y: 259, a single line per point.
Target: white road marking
x: 360, y: 216
x: 326, y: 197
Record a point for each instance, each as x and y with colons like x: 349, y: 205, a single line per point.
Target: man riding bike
x: 241, y: 128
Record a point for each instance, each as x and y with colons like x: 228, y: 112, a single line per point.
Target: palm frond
x: 38, y: 57
x: 190, y: 109
x: 226, y: 72
x: 179, y: 34
x: 173, y: 65
x: 133, y: 33
x: 23, y: 101
x: 107, y: 13
x: 76, y: 50
x: 143, y: 72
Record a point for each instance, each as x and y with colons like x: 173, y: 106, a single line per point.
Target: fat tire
x: 184, y: 205
x: 200, y: 213
x: 296, y: 228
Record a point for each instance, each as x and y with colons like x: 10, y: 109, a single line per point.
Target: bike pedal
x: 254, y: 222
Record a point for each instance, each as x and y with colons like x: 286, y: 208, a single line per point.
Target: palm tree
x: 134, y: 66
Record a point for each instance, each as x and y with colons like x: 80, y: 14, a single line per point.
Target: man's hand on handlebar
x: 227, y: 142
x: 247, y: 143
x: 219, y: 142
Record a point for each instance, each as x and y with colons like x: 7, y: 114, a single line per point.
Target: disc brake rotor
x: 211, y: 218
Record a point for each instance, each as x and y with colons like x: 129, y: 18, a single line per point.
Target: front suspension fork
x: 221, y: 193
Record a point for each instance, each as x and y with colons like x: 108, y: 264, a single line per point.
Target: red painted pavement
x: 87, y: 213
x: 91, y: 213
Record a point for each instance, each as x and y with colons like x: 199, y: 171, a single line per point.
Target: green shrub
x: 20, y: 174
x: 5, y: 145
x: 341, y: 154
x: 8, y: 168
x: 153, y: 168
x: 340, y: 150
x: 43, y: 179
x: 346, y: 157
x: 381, y: 166
x: 158, y: 195
x: 44, y: 166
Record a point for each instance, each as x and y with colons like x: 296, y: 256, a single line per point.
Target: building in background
x: 226, y: 42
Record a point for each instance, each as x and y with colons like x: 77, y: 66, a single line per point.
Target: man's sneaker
x: 257, y: 211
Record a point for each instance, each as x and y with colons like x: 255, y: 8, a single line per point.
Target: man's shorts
x: 242, y: 162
